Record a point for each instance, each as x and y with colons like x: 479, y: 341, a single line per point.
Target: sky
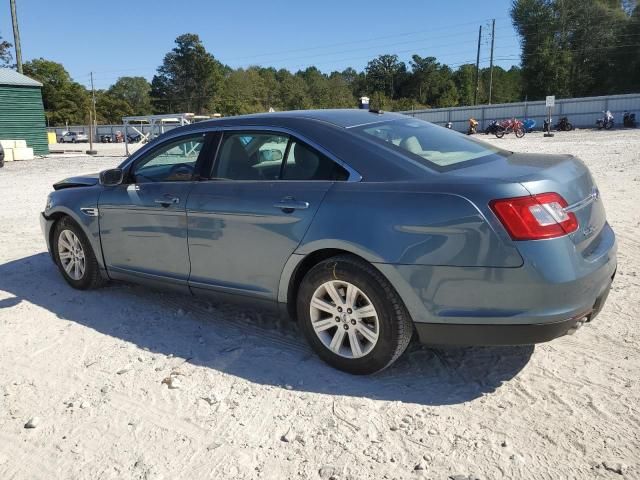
x: 130, y: 37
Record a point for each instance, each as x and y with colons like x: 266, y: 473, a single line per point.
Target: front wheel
x: 608, y: 125
x: 500, y: 133
x: 569, y: 127
x: 519, y: 132
x: 351, y: 316
x: 74, y: 256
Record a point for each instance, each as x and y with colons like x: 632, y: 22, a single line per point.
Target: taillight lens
x: 535, y: 217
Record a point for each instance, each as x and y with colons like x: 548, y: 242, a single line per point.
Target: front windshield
x: 431, y: 145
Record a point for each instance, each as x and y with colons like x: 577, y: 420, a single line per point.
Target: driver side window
x: 173, y: 162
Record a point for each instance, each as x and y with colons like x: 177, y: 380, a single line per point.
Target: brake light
x: 535, y: 217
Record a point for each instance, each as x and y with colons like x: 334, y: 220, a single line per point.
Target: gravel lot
x: 92, y: 370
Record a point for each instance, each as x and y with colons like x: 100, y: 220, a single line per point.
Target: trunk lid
x: 562, y: 174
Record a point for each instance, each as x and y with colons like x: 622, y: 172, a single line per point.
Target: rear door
x: 143, y: 222
x: 249, y: 217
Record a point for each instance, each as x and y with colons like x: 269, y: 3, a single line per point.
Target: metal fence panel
x: 582, y: 112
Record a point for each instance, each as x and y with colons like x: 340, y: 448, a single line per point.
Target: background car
x: 363, y: 226
x: 73, y: 137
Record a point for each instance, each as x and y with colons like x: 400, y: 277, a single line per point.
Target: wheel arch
x: 298, y: 266
x: 88, y: 225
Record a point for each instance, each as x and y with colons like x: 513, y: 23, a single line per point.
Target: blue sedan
x: 365, y: 227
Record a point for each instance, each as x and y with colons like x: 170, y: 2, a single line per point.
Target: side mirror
x: 111, y: 177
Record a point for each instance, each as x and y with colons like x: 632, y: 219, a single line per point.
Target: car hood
x: 86, y: 180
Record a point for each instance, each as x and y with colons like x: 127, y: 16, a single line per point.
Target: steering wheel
x: 181, y: 170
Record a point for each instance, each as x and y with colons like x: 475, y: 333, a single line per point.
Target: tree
x: 5, y: 52
x: 243, y: 91
x: 110, y: 109
x: 385, y: 73
x: 135, y: 91
x: 292, y: 91
x: 571, y: 47
x: 465, y: 80
x: 188, y: 79
x: 431, y: 83
x: 65, y: 101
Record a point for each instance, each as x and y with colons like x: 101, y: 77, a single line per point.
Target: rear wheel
x: 500, y: 133
x: 74, y: 256
x: 519, y: 132
x: 351, y: 316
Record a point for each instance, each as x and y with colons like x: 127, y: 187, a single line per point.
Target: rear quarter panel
x: 411, y: 224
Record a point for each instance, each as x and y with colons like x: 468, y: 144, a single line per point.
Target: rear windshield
x: 433, y: 146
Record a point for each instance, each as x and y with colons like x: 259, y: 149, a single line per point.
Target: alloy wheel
x: 71, y: 254
x: 344, y: 319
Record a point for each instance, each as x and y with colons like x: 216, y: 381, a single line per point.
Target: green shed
x: 21, y: 111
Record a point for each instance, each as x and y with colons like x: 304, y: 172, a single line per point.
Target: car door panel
x: 141, y: 234
x: 143, y: 223
x: 241, y: 233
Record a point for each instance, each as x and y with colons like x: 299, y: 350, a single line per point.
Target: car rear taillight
x: 535, y: 217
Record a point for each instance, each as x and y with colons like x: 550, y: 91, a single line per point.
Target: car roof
x: 345, y: 118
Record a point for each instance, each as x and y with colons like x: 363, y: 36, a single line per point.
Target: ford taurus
x: 363, y: 226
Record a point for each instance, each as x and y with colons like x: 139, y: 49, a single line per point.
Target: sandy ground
x: 252, y: 401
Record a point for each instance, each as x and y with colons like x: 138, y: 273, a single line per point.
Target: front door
x: 143, y: 223
x: 251, y: 215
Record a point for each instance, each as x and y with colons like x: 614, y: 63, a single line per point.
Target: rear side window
x: 267, y: 156
x: 431, y: 145
x: 250, y: 156
x: 305, y: 163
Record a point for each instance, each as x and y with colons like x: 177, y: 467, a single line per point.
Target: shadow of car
x: 249, y: 344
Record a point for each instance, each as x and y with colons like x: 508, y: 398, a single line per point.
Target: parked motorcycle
x: 508, y: 126
x: 564, y: 125
x: 106, y: 138
x: 606, y: 122
x: 449, y: 125
x: 629, y: 120
x: 492, y: 127
x: 134, y: 138
x: 473, y: 126
x: 529, y: 124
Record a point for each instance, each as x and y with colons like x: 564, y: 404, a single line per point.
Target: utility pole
x: 475, y: 96
x: 92, y: 118
x: 493, y: 37
x: 16, y: 35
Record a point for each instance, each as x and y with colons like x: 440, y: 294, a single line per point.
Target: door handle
x: 167, y: 200
x: 290, y: 204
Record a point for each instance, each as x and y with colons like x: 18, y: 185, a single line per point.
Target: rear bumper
x: 494, y: 335
x: 555, y: 290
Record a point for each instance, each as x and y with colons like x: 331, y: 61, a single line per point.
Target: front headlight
x: 49, y: 203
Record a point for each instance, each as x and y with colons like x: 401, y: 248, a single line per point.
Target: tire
x: 519, y: 132
x: 569, y: 127
x: 389, y: 323
x: 90, y: 276
x: 499, y: 133
x: 73, y: 140
x: 61, y: 140
x: 608, y: 125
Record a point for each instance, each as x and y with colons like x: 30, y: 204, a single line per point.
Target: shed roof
x: 11, y: 77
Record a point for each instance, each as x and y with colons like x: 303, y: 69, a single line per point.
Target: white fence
x: 108, y: 130
x: 582, y: 112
